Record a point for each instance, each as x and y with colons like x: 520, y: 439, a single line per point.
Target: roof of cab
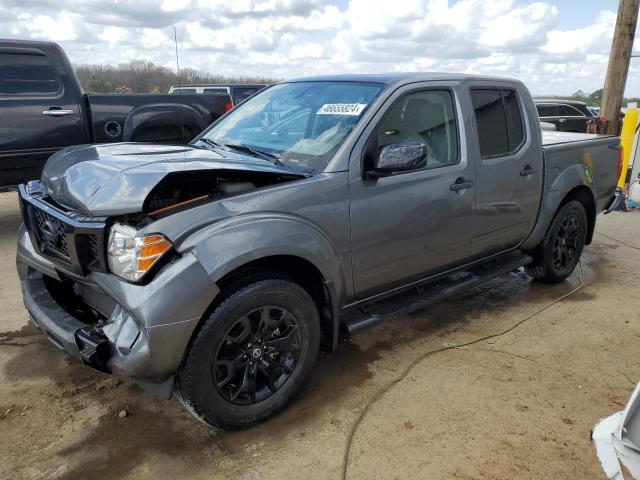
x: 393, y: 78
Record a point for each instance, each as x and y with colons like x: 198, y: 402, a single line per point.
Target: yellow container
x: 626, y: 140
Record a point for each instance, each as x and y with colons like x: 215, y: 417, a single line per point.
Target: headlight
x: 131, y: 256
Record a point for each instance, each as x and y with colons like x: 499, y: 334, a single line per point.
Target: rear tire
x: 251, y: 355
x: 559, y: 253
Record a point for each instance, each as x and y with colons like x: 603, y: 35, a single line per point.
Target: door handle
x: 527, y: 171
x: 57, y: 112
x: 562, y: 120
x: 461, y: 184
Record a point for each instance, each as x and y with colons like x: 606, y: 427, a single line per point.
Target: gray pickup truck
x: 316, y: 208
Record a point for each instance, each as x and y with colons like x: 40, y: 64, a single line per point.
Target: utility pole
x: 619, y: 63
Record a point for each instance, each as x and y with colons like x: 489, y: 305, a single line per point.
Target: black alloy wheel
x: 566, y: 244
x: 559, y: 253
x: 257, y: 355
x: 251, y: 353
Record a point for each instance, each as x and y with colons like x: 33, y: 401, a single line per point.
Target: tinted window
x: 514, y: 119
x: 547, y: 110
x: 491, y: 122
x: 239, y: 94
x: 182, y: 91
x: 22, y: 74
x: 569, y: 111
x: 426, y: 117
x: 215, y: 90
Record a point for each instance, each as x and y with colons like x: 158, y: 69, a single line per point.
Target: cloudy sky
x: 554, y: 46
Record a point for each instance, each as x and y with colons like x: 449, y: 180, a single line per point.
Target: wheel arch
x: 301, y: 271
x: 584, y: 195
x: 575, y: 183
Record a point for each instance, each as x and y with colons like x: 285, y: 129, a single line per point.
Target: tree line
x: 140, y: 76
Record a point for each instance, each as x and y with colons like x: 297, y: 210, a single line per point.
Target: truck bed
x: 595, y: 154
x: 556, y: 138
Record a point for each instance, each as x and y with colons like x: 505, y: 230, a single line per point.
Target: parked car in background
x: 43, y: 109
x: 566, y: 115
x: 319, y: 206
x: 238, y: 92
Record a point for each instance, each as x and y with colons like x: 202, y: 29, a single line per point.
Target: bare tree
x: 146, y: 77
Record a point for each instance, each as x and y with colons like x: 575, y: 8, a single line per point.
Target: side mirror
x: 399, y: 157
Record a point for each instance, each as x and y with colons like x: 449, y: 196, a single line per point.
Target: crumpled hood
x: 114, y: 179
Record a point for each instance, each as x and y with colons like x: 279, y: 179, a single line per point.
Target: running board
x: 421, y: 296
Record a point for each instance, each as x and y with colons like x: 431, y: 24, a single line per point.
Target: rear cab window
x: 499, y: 121
x: 27, y: 74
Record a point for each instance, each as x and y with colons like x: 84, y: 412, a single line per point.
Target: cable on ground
x: 381, y: 391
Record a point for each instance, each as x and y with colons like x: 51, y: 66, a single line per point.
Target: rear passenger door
x: 508, y: 174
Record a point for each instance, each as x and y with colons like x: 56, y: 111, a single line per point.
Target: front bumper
x: 142, y: 330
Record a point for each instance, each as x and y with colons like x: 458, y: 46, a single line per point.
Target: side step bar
x: 421, y: 296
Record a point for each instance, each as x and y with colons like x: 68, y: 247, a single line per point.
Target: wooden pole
x: 619, y: 63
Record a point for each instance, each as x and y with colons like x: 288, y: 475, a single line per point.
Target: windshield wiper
x: 210, y: 142
x: 271, y: 157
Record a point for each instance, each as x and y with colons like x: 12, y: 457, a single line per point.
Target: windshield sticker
x: 354, y: 109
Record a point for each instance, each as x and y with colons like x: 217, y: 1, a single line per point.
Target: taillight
x: 228, y: 106
x: 620, y: 161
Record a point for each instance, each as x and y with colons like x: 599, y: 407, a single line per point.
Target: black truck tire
x: 251, y: 355
x: 559, y: 253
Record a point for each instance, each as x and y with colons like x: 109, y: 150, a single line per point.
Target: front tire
x: 559, y: 253
x: 251, y: 355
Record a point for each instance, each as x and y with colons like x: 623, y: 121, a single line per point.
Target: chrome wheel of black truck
x: 252, y: 353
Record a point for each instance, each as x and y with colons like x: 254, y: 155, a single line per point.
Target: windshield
x: 300, y: 124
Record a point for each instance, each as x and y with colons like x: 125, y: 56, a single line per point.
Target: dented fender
x: 227, y: 245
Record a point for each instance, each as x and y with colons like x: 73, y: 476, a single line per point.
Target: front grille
x: 73, y: 241
x: 93, y: 247
x: 52, y: 233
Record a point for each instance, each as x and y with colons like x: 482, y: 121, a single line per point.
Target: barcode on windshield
x: 341, y: 109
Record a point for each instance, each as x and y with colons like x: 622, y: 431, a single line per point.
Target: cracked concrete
x: 516, y: 406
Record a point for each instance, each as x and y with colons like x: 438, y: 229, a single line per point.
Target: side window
x: 242, y: 93
x: 184, y: 91
x: 491, y: 122
x: 547, y: 110
x: 427, y: 117
x: 515, y: 128
x: 215, y: 90
x: 569, y: 111
x: 499, y: 121
x: 24, y: 74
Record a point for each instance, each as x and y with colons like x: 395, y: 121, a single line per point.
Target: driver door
x: 407, y: 225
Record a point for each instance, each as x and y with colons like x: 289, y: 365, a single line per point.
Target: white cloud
x: 57, y: 28
x: 290, y: 38
x: 594, y: 38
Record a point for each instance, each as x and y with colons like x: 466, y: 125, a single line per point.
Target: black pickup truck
x: 43, y: 109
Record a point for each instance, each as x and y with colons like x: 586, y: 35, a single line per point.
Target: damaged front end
x: 128, y: 303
